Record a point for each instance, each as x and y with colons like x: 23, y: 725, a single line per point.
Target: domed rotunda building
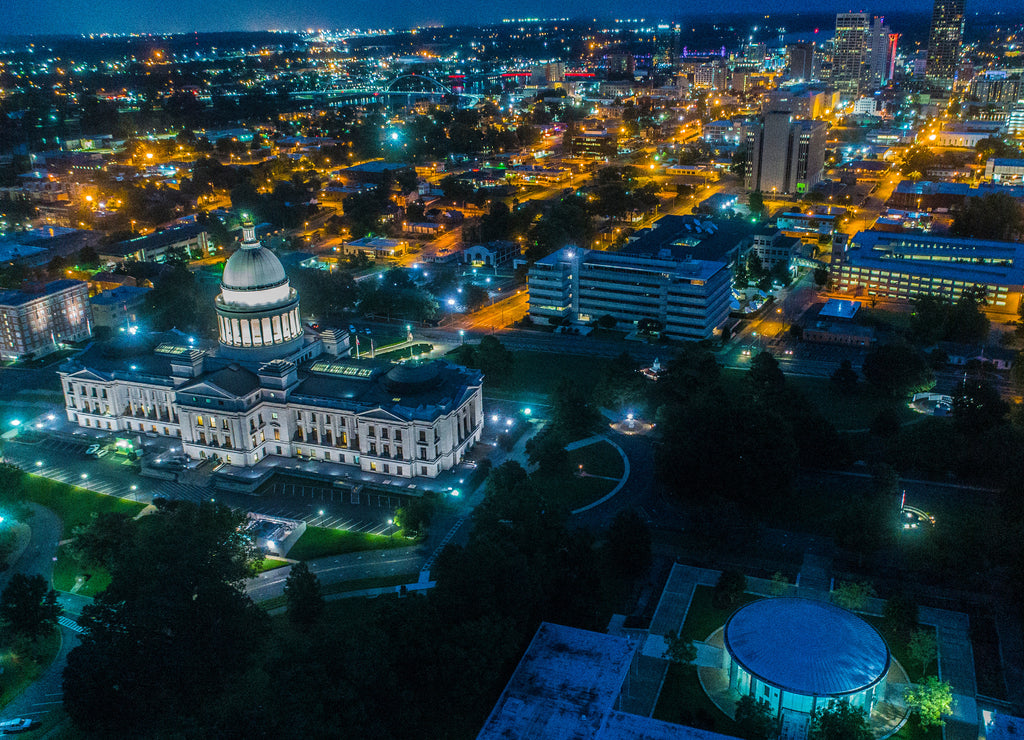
x: 798, y: 655
x: 272, y: 390
x: 257, y: 309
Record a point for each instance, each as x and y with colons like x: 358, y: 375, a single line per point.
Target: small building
x: 961, y: 355
x: 33, y: 323
x: 836, y: 332
x: 593, y: 143
x: 799, y: 654
x: 104, y: 280
x: 492, y: 254
x: 376, y: 247
x: 119, y: 307
x: 190, y: 238
x: 774, y: 249
x: 999, y: 169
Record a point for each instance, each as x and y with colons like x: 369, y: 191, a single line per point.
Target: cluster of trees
x: 737, y: 445
x: 189, y: 650
x: 490, y: 356
x: 937, y: 318
x: 994, y: 216
x: 395, y: 296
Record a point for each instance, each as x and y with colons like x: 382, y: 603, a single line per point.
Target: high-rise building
x: 784, y: 155
x: 944, y: 41
x: 849, y: 54
x: 800, y: 60
x: 34, y: 322
x: 878, y: 53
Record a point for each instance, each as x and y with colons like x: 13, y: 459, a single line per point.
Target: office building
x: 881, y: 50
x: 118, y: 308
x: 784, y: 155
x: 689, y: 298
x: 273, y: 391
x: 34, y: 323
x: 800, y: 61
x: 850, y: 53
x: 905, y: 266
x: 593, y: 143
x: 944, y: 41
x: 775, y: 249
x: 190, y: 239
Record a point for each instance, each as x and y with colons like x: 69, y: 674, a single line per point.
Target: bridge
x: 410, y: 87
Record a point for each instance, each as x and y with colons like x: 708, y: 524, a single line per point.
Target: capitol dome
x: 257, y: 309
x: 253, y: 269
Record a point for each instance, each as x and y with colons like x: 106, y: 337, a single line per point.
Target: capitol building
x: 274, y: 388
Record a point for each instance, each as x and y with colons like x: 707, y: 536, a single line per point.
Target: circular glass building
x: 799, y: 654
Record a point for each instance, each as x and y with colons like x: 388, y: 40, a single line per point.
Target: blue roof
x: 807, y: 647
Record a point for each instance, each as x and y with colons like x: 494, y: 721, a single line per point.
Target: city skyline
x: 127, y: 16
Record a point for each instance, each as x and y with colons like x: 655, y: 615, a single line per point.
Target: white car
x: 15, y: 725
x: 93, y: 449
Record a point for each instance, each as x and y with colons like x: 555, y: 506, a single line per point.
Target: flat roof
x: 565, y: 688
x: 837, y: 308
x: 811, y: 648
x: 156, y: 240
x: 21, y: 297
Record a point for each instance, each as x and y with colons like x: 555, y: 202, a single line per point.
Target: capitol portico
x: 274, y: 388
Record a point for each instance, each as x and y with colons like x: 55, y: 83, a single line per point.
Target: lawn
x: 75, y: 506
x: 320, y: 542
x: 600, y: 458
x: 536, y: 374
x: 899, y: 651
x: 704, y: 617
x: 269, y: 563
x: 683, y: 701
x: 19, y: 670
x: 572, y: 492
x: 846, y: 412
x: 67, y: 569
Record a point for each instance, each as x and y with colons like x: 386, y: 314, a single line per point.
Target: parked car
x: 15, y: 725
x: 102, y: 452
x: 93, y: 449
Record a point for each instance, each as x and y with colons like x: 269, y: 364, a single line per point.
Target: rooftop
x: 690, y: 237
x: 808, y: 647
x: 565, y: 688
x: 156, y: 240
x: 20, y: 297
x: 836, y: 308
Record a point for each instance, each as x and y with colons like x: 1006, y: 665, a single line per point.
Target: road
x: 497, y: 316
x: 44, y: 696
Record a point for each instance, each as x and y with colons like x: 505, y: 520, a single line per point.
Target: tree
x: 679, y: 650
x: 765, y: 374
x: 414, y: 517
x: 173, y: 629
x: 922, y: 648
x: 100, y: 542
x: 839, y: 720
x: 853, y: 595
x: 820, y: 277
x: 844, y: 379
x: 302, y: 593
x: 629, y: 545
x: 495, y: 360
x: 901, y: 616
x: 729, y: 588
x: 756, y: 202
x: 607, y: 321
x: 978, y: 406
x: 931, y: 699
x: 755, y: 719
x: 993, y: 216
x: 28, y: 607
x: 572, y: 413
x: 896, y: 368
x: 547, y: 451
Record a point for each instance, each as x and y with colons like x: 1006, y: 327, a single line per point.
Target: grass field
x: 21, y: 669
x: 536, y: 374
x: 846, y: 412
x: 75, y: 506
x: 67, y: 569
x: 600, y: 458
x: 319, y: 542
x: 572, y: 492
x: 272, y: 564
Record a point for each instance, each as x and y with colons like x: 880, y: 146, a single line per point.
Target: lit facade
x: 784, y: 155
x: 905, y: 266
x: 688, y: 297
x: 273, y: 388
x: 945, y: 39
x: 35, y: 324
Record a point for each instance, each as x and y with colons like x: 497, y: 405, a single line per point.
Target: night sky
x: 177, y: 16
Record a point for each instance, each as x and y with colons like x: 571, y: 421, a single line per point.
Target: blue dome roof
x: 807, y: 647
